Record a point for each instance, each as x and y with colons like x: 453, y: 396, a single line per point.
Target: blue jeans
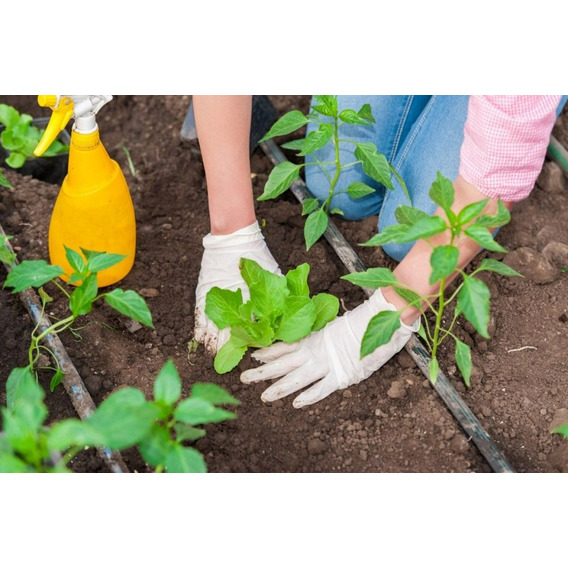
x: 419, y: 135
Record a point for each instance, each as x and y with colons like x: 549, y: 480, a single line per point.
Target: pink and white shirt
x: 505, y: 142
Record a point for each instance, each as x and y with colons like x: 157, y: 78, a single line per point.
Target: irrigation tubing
x: 558, y: 153
x: 467, y: 420
x: 72, y: 382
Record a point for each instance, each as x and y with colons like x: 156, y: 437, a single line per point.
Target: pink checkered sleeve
x: 505, y: 142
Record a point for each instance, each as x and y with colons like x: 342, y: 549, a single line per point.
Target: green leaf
x: 409, y: 296
x: 471, y: 211
x: 31, y: 273
x: 407, y: 215
x: 194, y: 411
x: 12, y: 464
x: 327, y: 308
x: 482, y: 236
x: 297, y: 280
x: 222, y: 306
x: 16, y: 160
x: 212, y: 393
x: 56, y: 379
x: 9, y: 116
x: 309, y: 205
x: 473, y: 301
x: 167, y: 386
x: 286, y: 124
x: 502, y: 217
x: 255, y: 334
x: 124, y: 418
x: 82, y: 298
x: 379, y: 331
x: 184, y: 460
x: 366, y: 113
x: 349, y: 116
x: 251, y: 271
x: 390, y: 234
x: 493, y: 265
x: 433, y: 370
x: 188, y: 433
x: 14, y: 139
x: 317, y: 139
x: 295, y: 145
x: 359, y: 189
x: 21, y: 433
x: 326, y: 104
x: 444, y: 261
x: 422, y: 229
x: 21, y: 385
x: 336, y: 211
x: 297, y: 320
x: 268, y: 294
x: 442, y: 192
x: 75, y: 260
x: 280, y: 179
x: 315, y: 226
x: 563, y: 430
x: 229, y: 356
x: 98, y: 261
x: 372, y: 278
x: 463, y: 361
x: 156, y: 446
x: 130, y: 304
x: 73, y: 433
x: 4, y: 181
x: 375, y: 165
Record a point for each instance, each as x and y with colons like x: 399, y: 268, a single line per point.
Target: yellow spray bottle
x: 94, y: 209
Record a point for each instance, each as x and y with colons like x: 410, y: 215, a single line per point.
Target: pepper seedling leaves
x: 130, y: 304
x: 184, y: 460
x: 167, y: 386
x: 286, y: 124
x: 317, y: 139
x: 97, y: 261
x: 315, y: 226
x: 463, y: 360
x: 473, y: 301
x: 31, y: 273
x: 280, y: 179
x: 375, y: 165
x: 82, y: 298
x: 444, y: 261
x: 380, y: 330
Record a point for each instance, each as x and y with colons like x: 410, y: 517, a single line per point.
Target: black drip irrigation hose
x: 558, y: 153
x: 467, y: 420
x: 72, y: 382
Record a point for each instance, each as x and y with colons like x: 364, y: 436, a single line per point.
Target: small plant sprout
x: 280, y: 308
x: 4, y: 182
x: 37, y: 273
x: 161, y: 429
x: 329, y: 121
x: 20, y: 138
x: 471, y: 296
x: 129, y: 161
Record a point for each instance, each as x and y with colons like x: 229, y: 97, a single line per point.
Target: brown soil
x: 394, y: 421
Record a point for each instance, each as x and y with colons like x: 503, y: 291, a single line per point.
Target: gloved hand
x: 330, y: 356
x: 220, y: 267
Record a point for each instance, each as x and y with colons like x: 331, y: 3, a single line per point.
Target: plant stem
x: 439, y: 314
x: 335, y: 179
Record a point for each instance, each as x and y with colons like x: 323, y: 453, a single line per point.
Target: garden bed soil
x: 392, y: 422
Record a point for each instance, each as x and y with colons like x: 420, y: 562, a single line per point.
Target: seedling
x: 4, y: 182
x: 37, y: 273
x: 160, y: 428
x: 20, y: 138
x: 375, y: 165
x: 280, y: 308
x: 472, y: 295
x: 129, y: 161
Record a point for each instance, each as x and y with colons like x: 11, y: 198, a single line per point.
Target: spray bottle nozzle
x: 82, y: 107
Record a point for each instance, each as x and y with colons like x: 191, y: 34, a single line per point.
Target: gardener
x: 491, y: 146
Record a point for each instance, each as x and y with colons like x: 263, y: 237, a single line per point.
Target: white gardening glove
x: 330, y: 356
x: 220, y: 267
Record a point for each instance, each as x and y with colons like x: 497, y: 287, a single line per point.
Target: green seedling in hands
x: 472, y: 296
x: 280, y: 308
x: 37, y: 273
x: 329, y: 121
x: 160, y: 429
x: 20, y: 138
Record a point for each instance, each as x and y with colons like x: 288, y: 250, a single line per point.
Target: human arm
x: 223, y: 126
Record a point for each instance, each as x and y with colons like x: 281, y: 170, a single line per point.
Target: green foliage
x: 4, y: 182
x: 280, y: 308
x: 20, y: 137
x: 6, y: 256
x: 374, y: 164
x: 160, y: 429
x: 37, y: 273
x: 471, y: 297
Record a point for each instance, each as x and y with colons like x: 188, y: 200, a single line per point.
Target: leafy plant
x: 472, y: 296
x: 280, y: 308
x: 20, y: 137
x: 375, y: 165
x: 4, y: 182
x: 125, y: 419
x: 6, y: 256
x: 37, y: 273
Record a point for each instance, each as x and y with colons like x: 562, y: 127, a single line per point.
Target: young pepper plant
x: 329, y: 120
x: 280, y: 308
x: 160, y: 429
x: 37, y: 273
x: 471, y: 296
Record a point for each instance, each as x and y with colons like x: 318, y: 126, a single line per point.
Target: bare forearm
x: 223, y: 127
x: 415, y: 269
